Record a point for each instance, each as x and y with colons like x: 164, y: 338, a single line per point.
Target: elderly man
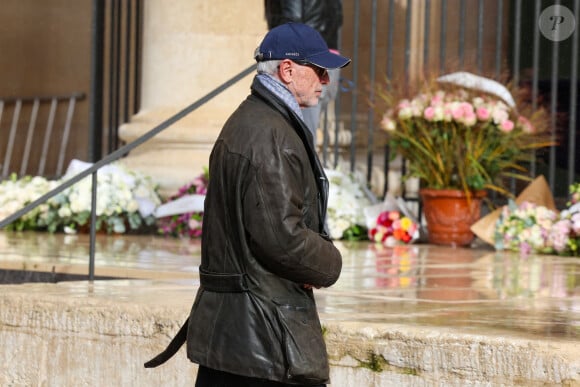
x: 264, y: 246
x: 325, y: 16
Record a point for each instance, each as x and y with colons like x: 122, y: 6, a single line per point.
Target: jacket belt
x: 223, y: 282
x: 213, y: 282
x: 171, y: 349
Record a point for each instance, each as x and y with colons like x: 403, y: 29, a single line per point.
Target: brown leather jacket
x: 263, y: 238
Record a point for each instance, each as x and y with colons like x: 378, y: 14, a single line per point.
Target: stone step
x: 417, y: 315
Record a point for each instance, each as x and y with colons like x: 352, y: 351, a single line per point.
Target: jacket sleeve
x: 275, y: 206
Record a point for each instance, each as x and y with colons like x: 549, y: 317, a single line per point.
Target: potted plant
x: 462, y: 135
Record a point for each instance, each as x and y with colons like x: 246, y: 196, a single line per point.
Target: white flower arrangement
x: 125, y: 198
x: 346, y: 201
x: 16, y: 193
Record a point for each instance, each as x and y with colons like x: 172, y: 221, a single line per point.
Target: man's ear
x: 286, y: 71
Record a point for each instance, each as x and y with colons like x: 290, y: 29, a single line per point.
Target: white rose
x: 64, y: 212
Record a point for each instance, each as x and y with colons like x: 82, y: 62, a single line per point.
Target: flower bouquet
x: 526, y: 228
x: 125, y: 201
x: 566, y: 233
x: 392, y: 228
x: 188, y: 221
x: 537, y: 192
x: 345, y: 217
x: 533, y: 228
x: 463, y: 132
x: 17, y: 193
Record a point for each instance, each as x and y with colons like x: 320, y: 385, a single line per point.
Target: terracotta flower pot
x: 450, y: 215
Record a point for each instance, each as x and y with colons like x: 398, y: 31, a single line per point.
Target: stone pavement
x: 418, y: 315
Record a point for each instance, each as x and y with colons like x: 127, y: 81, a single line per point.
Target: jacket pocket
x: 302, y: 341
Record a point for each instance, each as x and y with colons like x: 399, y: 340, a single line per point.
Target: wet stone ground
x: 474, y: 290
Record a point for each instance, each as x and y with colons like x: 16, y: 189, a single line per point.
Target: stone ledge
x: 442, y: 355
x: 101, y: 333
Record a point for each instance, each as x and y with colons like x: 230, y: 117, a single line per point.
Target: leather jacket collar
x: 262, y: 92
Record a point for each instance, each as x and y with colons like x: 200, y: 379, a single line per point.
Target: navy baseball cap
x: 301, y: 43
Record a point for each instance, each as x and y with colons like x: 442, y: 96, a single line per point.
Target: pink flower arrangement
x: 574, y: 194
x: 570, y: 218
x: 456, y: 137
x: 188, y: 224
x: 526, y: 228
x: 392, y: 228
x: 530, y: 228
x: 457, y: 107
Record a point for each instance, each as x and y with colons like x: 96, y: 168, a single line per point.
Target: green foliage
x: 355, y: 233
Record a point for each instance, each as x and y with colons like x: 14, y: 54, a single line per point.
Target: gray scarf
x: 280, y: 91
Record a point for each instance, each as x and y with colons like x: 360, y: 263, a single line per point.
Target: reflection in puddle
x: 468, y: 288
x: 477, y: 290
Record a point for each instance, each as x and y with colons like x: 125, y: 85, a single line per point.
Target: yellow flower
x: 406, y: 223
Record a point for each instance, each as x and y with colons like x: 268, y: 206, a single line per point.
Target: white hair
x: 268, y: 67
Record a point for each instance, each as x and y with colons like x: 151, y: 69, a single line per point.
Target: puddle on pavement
x: 475, y: 289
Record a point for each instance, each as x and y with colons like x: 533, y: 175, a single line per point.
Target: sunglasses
x: 320, y: 71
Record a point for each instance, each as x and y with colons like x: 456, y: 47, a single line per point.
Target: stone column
x: 190, y: 48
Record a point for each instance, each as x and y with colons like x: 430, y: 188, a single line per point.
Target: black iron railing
x: 33, y: 130
x: 115, y: 156
x: 397, y: 40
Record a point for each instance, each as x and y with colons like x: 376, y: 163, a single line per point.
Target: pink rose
x: 467, y: 108
x: 507, y: 126
x: 194, y: 223
x: 437, y: 100
x: 526, y: 125
x: 457, y: 113
x: 404, y: 104
x: 429, y: 113
x: 482, y: 114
